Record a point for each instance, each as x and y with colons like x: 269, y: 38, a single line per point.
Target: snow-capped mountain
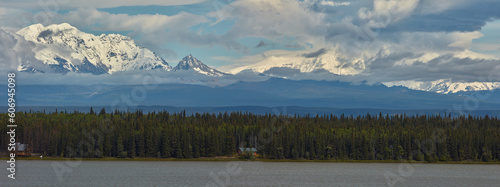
x: 336, y: 63
x: 191, y: 63
x: 321, y: 60
x: 446, y: 86
x: 63, y: 48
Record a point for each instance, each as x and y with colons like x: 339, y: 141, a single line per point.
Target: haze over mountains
x: 275, y: 95
x: 63, y: 48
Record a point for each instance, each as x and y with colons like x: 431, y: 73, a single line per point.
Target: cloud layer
x: 394, y: 40
x: 68, y: 4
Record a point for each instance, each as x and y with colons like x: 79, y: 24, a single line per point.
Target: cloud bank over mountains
x: 388, y: 41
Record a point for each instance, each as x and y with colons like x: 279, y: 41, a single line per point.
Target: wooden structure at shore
x: 22, y: 150
x: 247, y: 150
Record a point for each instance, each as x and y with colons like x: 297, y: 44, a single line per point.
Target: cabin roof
x: 247, y: 149
x: 21, y: 147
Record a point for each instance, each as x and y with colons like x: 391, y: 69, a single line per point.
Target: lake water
x: 200, y: 173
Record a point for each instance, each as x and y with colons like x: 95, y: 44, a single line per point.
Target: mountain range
x: 62, y: 48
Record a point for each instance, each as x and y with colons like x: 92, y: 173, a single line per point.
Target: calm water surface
x: 198, y: 173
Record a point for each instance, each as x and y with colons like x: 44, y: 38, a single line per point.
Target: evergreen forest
x: 320, y: 137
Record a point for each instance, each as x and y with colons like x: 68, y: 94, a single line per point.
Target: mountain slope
x: 321, y: 60
x: 446, y: 86
x: 64, y: 48
x: 325, y: 64
x: 191, y: 63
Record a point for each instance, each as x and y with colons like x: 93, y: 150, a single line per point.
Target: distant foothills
x: 162, y: 135
x: 307, y: 96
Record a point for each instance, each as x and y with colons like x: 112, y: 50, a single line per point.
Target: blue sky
x: 227, y: 34
x: 490, y: 42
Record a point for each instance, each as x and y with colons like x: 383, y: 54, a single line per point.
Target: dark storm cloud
x: 472, y: 16
x: 465, y: 16
x: 45, y: 33
x: 316, y: 53
x: 261, y: 44
x: 443, y: 67
x: 384, y: 63
x: 265, y: 44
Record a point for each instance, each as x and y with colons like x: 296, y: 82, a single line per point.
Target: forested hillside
x: 163, y: 134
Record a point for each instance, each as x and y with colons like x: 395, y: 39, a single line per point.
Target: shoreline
x: 228, y: 159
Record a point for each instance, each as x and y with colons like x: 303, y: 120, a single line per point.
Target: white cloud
x: 386, y: 12
x: 272, y: 19
x: 333, y: 3
x: 13, y: 50
x: 151, y: 31
x: 55, y: 5
x: 6, y: 11
x: 141, y: 24
x: 434, y: 41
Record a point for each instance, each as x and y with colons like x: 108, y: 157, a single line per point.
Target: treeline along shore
x: 324, y: 137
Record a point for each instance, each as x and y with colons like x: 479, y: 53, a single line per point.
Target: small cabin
x: 243, y: 150
x: 22, y: 149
